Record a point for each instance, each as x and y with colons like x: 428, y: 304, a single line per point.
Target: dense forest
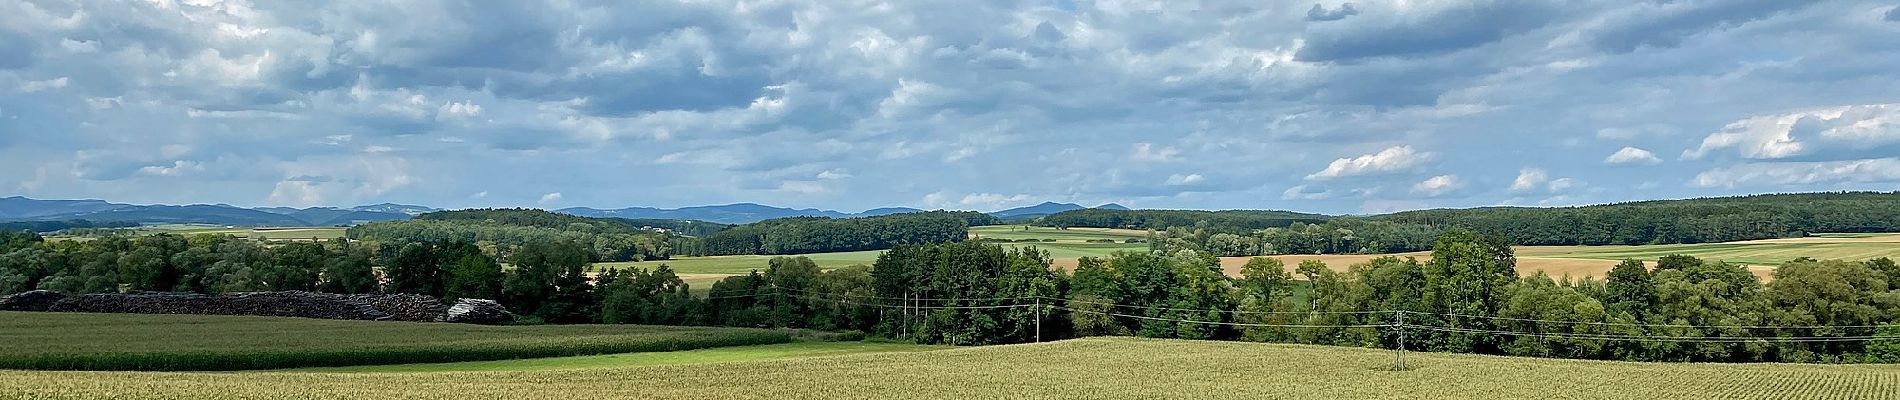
x: 1226, y: 221
x: 1722, y: 219
x: 1704, y: 220
x: 1467, y: 298
x: 55, y: 226
x: 801, y: 235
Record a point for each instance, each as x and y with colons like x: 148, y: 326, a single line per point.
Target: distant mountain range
x: 1046, y: 208
x: 24, y: 209
x: 741, y: 213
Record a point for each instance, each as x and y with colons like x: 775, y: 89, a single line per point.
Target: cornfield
x: 63, y: 341
x: 1103, y: 368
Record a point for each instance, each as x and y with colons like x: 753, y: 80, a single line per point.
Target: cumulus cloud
x: 1529, y: 179
x: 1801, y: 173
x: 813, y: 104
x: 1391, y: 160
x: 550, y: 198
x: 1536, y: 180
x: 1632, y: 156
x: 1437, y: 186
x: 1800, y: 133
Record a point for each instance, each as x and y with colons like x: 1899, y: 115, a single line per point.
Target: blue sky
x: 1335, y: 107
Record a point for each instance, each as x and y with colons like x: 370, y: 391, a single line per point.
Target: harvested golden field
x: 1103, y: 368
x: 1553, y: 266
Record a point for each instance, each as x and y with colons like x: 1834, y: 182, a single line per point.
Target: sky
x: 1335, y: 107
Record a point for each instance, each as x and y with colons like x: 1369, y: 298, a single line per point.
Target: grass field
x: 201, y: 342
x: 1105, y: 368
x: 1754, y: 252
x: 701, y: 356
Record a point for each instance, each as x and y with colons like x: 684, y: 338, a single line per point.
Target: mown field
x: 1102, y: 368
x: 202, y: 342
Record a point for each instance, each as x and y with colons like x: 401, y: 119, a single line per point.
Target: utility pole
x: 1038, y: 319
x: 1399, y: 360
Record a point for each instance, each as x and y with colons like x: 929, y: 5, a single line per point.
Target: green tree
x: 352, y: 270
x: 1630, y: 288
x: 1467, y: 276
x: 417, y: 269
x: 472, y: 273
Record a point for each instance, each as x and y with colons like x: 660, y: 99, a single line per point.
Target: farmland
x: 193, y: 342
x: 1114, y: 368
x: 1067, y: 245
x: 701, y: 356
x: 269, y: 233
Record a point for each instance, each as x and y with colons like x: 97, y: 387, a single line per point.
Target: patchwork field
x: 1101, y: 368
x: 202, y: 342
x: 1761, y: 256
x: 276, y: 233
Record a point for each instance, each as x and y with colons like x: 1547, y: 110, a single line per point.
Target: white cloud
x: 178, y: 168
x: 1801, y: 173
x: 1181, y: 180
x: 479, y: 195
x: 465, y: 109
x: 1151, y: 152
x: 1799, y: 133
x: 35, y: 86
x: 1632, y: 156
x: 834, y: 174
x: 1560, y: 185
x: 550, y: 198
x: 1437, y: 186
x: 1529, y: 179
x: 1390, y: 160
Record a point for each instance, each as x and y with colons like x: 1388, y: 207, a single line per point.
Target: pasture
x: 1096, y: 368
x: 204, y: 342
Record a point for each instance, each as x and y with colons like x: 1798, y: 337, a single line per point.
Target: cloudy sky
x: 1334, y: 107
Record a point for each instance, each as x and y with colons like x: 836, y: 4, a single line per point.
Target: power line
x: 1646, y: 325
x: 1241, y: 324
x: 1679, y: 339
x: 1216, y: 310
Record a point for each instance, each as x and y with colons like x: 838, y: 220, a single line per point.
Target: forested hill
x: 1717, y: 219
x: 609, y: 239
x: 817, y: 234
x: 1163, y: 219
x: 616, y: 239
x: 556, y: 220
x: 1704, y: 220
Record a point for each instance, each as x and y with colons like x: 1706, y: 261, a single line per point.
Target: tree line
x: 802, y: 235
x: 1723, y: 219
x: 1705, y: 220
x: 1467, y: 298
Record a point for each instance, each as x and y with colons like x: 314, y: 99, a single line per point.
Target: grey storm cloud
x: 1320, y: 13
x: 1179, y: 104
